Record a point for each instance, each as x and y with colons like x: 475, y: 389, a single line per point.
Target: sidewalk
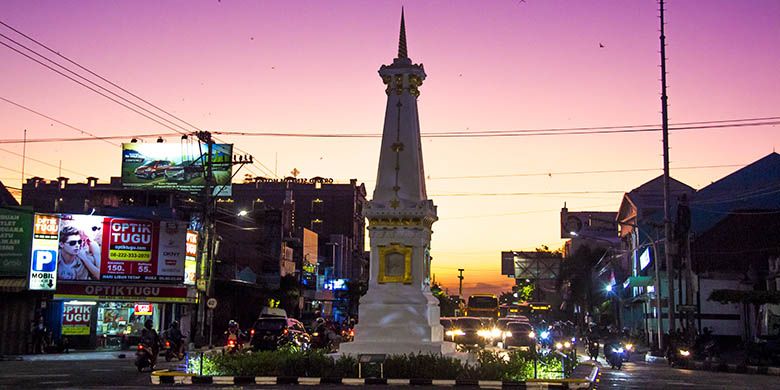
x: 82, y: 355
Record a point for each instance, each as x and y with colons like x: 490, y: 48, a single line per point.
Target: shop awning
x: 13, y: 285
x: 640, y: 281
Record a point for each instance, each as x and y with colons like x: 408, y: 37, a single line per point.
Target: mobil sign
x: 43, y: 264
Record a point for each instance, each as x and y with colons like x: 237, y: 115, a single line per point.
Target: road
x: 641, y: 375
x: 73, y: 374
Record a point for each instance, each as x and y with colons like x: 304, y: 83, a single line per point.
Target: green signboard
x: 15, y: 240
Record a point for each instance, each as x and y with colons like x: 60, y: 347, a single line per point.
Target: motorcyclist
x: 151, y: 339
x: 176, y: 338
x: 234, y: 333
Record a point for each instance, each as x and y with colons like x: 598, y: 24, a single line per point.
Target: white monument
x: 398, y: 314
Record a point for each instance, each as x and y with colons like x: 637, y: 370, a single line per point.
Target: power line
x: 92, y: 136
x: 90, y: 88
x: 528, y: 193
x: 628, y: 170
x: 42, y: 162
x: 106, y: 80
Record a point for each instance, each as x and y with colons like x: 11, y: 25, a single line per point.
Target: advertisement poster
x: 80, y: 247
x: 176, y: 166
x: 15, y: 240
x: 45, y: 246
x: 76, y: 320
x: 98, y: 248
x: 191, y: 258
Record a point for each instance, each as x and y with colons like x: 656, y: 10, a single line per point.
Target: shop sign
x: 43, y: 262
x: 76, y: 320
x: 125, y: 293
x: 143, y: 309
x: 15, y: 239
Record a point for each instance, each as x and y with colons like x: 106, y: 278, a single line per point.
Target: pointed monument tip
x: 402, y: 38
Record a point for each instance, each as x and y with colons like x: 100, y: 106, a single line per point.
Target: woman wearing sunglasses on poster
x: 79, y: 256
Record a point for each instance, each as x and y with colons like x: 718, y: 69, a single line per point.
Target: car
x: 518, y: 335
x: 466, y: 331
x: 184, y: 171
x: 269, y: 333
x: 152, y: 169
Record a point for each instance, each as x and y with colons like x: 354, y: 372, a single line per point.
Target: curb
x: 10, y: 358
x: 731, y: 368
x: 165, y: 377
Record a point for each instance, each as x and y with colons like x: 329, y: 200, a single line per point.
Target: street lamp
x: 242, y: 213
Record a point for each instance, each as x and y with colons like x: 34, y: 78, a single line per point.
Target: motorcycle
x: 143, y: 357
x: 173, y: 351
x: 347, y: 334
x: 233, y: 344
x: 679, y: 357
x: 593, y: 350
x: 616, y: 355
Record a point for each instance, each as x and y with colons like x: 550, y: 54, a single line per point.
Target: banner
x: 191, y: 258
x: 177, y: 166
x: 15, y: 241
x: 76, y: 320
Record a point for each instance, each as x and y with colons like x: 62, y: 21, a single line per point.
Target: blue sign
x: 44, y: 260
x: 335, y: 284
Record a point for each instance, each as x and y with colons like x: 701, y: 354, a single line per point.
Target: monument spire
x: 402, y: 38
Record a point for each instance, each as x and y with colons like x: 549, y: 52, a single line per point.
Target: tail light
x: 252, y: 332
x: 140, y: 346
x: 231, y: 343
x: 286, y: 331
x: 167, y: 344
x: 352, y: 333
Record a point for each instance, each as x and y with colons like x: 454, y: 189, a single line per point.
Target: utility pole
x: 460, y: 283
x: 667, y: 219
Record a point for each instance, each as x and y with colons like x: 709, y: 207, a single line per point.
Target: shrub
x: 489, y: 365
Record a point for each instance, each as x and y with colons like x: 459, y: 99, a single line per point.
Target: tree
x: 289, y: 294
x: 577, y: 271
x: 355, y: 290
x: 446, y: 306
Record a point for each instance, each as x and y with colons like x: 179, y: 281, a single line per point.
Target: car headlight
x: 495, y: 333
x: 630, y: 347
x: 486, y: 333
x: 532, y: 334
x: 617, y: 350
x: 507, y: 334
x: 573, y: 339
x: 455, y: 332
x: 545, y: 334
x: 685, y: 353
x: 567, y: 344
x: 558, y: 346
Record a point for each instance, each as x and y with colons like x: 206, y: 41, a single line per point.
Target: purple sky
x: 310, y: 67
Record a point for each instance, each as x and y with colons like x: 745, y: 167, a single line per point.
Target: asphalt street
x: 642, y: 375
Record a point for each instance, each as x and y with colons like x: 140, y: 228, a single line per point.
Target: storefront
x: 103, y: 316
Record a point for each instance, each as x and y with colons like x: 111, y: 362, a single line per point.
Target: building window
x: 317, y: 206
x: 316, y: 226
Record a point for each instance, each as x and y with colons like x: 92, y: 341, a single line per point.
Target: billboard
x: 176, y: 166
x: 95, y: 247
x: 15, y: 240
x: 44, y: 259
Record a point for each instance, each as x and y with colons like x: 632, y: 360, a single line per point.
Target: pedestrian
x: 39, y: 335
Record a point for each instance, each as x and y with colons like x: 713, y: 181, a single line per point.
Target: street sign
x: 211, y: 303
